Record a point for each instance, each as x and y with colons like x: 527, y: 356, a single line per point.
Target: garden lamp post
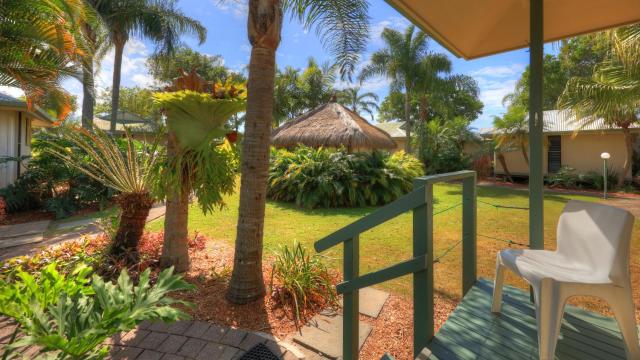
x: 605, y: 156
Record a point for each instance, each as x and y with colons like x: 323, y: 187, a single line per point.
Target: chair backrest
x: 597, y: 236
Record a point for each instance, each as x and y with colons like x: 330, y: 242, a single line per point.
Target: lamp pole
x: 605, y: 156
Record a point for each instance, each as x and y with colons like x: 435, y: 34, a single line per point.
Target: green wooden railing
x: 420, y: 201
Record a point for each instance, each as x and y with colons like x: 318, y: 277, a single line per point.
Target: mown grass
x: 391, y: 242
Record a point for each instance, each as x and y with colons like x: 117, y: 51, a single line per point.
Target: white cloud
x: 395, y: 22
x: 499, y: 71
x: 11, y: 91
x: 239, y: 8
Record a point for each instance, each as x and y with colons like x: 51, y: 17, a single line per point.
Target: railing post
x: 350, y: 325
x: 469, y: 247
x: 423, y: 280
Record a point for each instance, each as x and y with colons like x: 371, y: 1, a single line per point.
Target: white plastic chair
x: 592, y: 259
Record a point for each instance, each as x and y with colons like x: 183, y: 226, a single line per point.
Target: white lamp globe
x: 605, y: 156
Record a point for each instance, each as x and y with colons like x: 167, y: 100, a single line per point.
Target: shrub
x: 567, y: 178
x: 72, y: 316
x: 301, y: 280
x: 332, y: 178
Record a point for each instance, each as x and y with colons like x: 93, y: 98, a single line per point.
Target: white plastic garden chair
x: 592, y: 259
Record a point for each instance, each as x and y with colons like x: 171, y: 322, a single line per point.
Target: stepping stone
x: 371, y: 301
x: 30, y: 228
x: 324, y: 334
x: 156, y: 212
x: 73, y: 224
x: 20, y: 240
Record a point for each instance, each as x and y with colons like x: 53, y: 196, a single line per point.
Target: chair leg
x: 624, y: 310
x: 497, y: 287
x: 549, y: 312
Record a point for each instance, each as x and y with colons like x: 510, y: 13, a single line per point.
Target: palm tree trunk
x: 175, y: 248
x: 88, y: 85
x: 503, y: 163
x: 264, y: 26
x: 134, y: 211
x: 119, y: 41
x: 424, y: 108
x: 407, y: 120
x: 628, y: 142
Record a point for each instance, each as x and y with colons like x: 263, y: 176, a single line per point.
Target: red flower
x: 232, y: 137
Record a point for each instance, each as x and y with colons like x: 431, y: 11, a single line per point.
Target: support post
x: 536, y: 189
x: 423, y: 280
x: 351, y: 309
x: 469, y: 247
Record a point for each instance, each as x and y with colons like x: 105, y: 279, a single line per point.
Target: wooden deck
x: 473, y: 332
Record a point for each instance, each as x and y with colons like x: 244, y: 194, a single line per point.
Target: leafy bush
x: 301, y: 280
x: 332, y: 178
x: 70, y: 317
x: 565, y: 177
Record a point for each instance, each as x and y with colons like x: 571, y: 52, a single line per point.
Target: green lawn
x: 391, y: 242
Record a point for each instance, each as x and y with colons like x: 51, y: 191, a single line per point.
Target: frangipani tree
x: 198, y: 159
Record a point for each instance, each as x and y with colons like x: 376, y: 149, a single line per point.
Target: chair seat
x: 535, y: 265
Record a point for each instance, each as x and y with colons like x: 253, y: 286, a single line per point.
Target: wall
x: 400, y: 144
x: 8, y: 145
x: 581, y: 153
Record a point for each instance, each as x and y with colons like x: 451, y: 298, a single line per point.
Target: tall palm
x: 41, y: 46
x: 358, y: 102
x: 400, y: 61
x: 343, y: 27
x: 612, y: 93
x: 512, y: 130
x: 157, y: 20
x: 316, y: 83
x: 97, y: 40
x: 288, y: 96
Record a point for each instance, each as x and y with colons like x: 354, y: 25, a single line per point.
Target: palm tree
x: 400, y: 62
x: 359, y: 102
x: 512, y: 130
x: 159, y: 21
x: 316, y: 83
x: 343, y: 25
x: 41, y: 46
x: 430, y: 81
x: 612, y: 93
x: 288, y: 96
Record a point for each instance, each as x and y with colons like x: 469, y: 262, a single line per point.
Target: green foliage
x: 135, y: 100
x: 301, y: 279
x: 332, y: 178
x: 568, y: 178
x: 359, y: 102
x: 440, y: 145
x: 70, y: 317
x: 166, y: 67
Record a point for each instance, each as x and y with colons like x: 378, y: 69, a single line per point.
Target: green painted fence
x: 420, y: 201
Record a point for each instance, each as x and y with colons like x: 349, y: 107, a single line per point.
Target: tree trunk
x: 175, y: 248
x: 424, y: 108
x: 407, y: 120
x: 88, y: 85
x: 503, y: 162
x: 134, y: 211
x: 628, y: 142
x: 523, y: 148
x: 264, y: 25
x: 119, y: 41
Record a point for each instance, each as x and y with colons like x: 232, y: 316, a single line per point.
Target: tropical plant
x: 359, y: 102
x: 287, y: 96
x: 612, y: 93
x: 135, y: 100
x: 166, y: 67
x: 127, y: 172
x: 41, y: 46
x: 332, y: 178
x: 197, y: 159
x: 512, y: 130
x: 301, y: 280
x: 158, y: 21
x: 430, y: 80
x: 400, y: 61
x: 440, y: 144
x: 70, y: 317
x: 316, y: 83
x: 343, y: 28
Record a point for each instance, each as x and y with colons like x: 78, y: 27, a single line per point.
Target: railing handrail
x: 452, y: 176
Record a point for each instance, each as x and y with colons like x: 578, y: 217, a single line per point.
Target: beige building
x: 566, y: 144
x: 16, y: 125
x: 397, y: 133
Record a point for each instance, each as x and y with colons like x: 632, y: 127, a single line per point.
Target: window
x: 554, y: 154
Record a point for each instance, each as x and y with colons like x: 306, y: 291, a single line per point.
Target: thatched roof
x: 332, y: 125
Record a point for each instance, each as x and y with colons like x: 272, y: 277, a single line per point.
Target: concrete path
x: 181, y: 340
x: 632, y: 205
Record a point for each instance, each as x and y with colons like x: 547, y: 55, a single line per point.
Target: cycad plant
x: 128, y: 172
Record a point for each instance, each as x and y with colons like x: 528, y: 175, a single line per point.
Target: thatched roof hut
x: 332, y: 125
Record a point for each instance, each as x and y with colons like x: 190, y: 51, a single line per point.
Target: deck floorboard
x: 472, y: 332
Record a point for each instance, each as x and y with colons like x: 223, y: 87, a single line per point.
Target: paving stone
x: 30, y: 228
x: 371, y: 301
x: 179, y: 327
x: 230, y: 353
x: 214, y: 333
x: 73, y: 224
x: 234, y: 337
x: 133, y: 337
x: 150, y: 355
x: 172, y: 344
x: 324, y: 334
x: 159, y: 326
x: 250, y: 341
x: 211, y: 351
x: 21, y: 240
x: 197, y: 329
x: 153, y: 340
x: 191, y: 348
x: 156, y: 212
x: 172, y: 357
x: 128, y: 353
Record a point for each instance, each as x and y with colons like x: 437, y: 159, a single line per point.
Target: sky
x: 226, y: 20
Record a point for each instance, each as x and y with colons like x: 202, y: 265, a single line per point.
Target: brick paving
x: 182, y: 340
